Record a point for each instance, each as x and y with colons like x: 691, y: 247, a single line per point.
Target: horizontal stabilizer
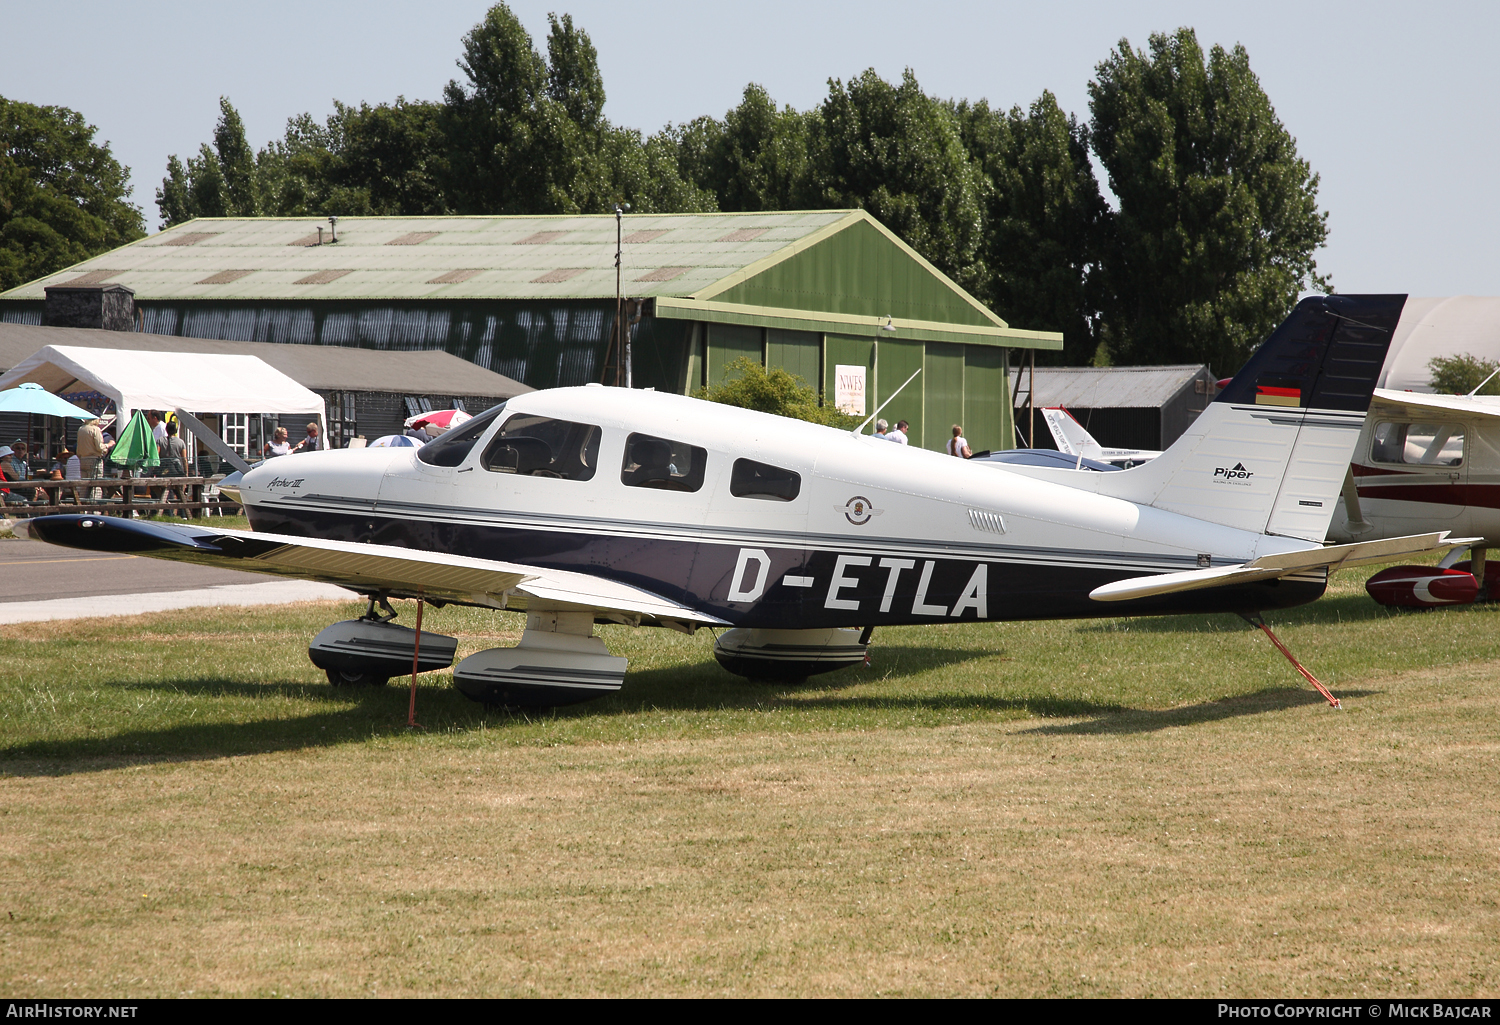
x: 370, y: 568
x: 1268, y: 567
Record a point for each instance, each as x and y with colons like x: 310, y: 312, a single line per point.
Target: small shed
x: 1123, y: 407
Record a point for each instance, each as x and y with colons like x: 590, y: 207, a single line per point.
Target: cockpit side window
x: 661, y: 463
x: 453, y: 447
x: 750, y: 479
x: 1418, y: 444
x: 539, y: 446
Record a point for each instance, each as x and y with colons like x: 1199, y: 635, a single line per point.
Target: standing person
x: 174, y: 464
x: 958, y: 445
x: 312, y: 442
x: 899, y: 434
x: 278, y: 445
x: 91, y: 449
x: 158, y: 429
x: 881, y: 427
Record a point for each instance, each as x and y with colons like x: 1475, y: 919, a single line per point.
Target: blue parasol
x: 33, y: 398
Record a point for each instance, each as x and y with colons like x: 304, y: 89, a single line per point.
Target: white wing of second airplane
x: 1330, y: 557
x: 369, y: 568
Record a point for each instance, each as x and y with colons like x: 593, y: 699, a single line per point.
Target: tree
x: 62, y: 194
x: 755, y: 159
x: 898, y: 153
x: 1217, y: 219
x: 1461, y: 374
x: 1044, y: 218
x: 218, y: 182
x: 749, y: 385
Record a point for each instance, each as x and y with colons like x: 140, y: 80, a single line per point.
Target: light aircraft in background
x: 1074, y: 439
x: 585, y: 505
x: 1426, y: 462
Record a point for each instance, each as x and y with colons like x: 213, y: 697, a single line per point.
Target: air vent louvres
x: 981, y: 520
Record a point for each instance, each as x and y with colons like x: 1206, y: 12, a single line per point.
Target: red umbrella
x: 438, y: 420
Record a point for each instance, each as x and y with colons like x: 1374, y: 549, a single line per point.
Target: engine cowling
x: 788, y: 654
x: 1422, y: 587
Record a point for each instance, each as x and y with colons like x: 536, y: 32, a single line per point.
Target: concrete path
x: 276, y: 592
x: 40, y: 581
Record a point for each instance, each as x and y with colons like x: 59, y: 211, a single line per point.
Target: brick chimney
x: 111, y: 307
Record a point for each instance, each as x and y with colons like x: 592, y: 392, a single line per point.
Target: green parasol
x: 136, y: 445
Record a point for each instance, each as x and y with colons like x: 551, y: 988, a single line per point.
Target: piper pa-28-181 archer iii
x: 590, y: 504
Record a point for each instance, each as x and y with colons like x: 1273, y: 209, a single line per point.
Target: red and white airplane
x: 1425, y: 462
x: 585, y: 505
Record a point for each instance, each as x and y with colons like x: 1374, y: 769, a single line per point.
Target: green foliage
x: 1218, y: 215
x: 749, y: 385
x: 1461, y: 374
x: 219, y: 182
x: 62, y: 195
x: 1044, y: 220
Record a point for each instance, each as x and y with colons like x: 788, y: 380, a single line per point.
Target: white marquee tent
x: 192, y: 381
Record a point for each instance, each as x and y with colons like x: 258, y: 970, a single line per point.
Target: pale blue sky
x: 1394, y: 105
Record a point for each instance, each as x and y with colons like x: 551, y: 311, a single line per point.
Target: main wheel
x: 351, y: 678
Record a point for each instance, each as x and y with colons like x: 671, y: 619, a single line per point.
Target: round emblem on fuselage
x: 858, y: 510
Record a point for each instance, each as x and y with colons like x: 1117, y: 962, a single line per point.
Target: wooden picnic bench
x: 112, y: 496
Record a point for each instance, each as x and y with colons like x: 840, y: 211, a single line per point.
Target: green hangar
x: 830, y: 295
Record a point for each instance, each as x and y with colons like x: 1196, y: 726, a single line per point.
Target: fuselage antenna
x: 887, y: 402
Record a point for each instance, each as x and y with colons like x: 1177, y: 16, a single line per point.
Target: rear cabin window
x: 750, y: 479
x: 453, y: 447
x: 1418, y: 444
x: 539, y: 446
x: 661, y: 463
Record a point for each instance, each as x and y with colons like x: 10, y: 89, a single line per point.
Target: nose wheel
x: 355, y: 678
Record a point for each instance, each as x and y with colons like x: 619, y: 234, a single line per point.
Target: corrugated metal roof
x: 1111, y: 387
x: 320, y: 367
x: 447, y: 258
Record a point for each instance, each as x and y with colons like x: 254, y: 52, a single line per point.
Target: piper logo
x: 1233, y: 475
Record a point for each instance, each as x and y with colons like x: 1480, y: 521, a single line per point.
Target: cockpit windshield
x: 453, y: 447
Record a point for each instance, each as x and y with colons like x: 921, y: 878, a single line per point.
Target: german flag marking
x: 1278, y: 395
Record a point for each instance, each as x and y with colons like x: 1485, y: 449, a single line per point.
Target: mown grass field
x: 1118, y: 807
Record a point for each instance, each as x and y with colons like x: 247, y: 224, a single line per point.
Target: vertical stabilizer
x: 1270, y: 452
x: 1071, y: 436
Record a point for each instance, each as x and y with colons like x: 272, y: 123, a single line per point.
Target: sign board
x: 849, y: 389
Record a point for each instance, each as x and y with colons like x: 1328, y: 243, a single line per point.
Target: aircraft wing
x: 368, y: 568
x: 1469, y: 405
x: 1331, y: 557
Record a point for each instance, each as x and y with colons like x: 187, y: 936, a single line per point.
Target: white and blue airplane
x: 585, y: 505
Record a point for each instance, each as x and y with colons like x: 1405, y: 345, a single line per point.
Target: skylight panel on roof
x: 664, y: 274
x: 225, y: 277
x: 322, y: 277
x: 413, y: 238
x: 456, y: 277
x: 93, y: 277
x: 557, y: 274
x: 744, y: 235
x: 189, y: 238
x: 646, y: 235
x: 541, y: 238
